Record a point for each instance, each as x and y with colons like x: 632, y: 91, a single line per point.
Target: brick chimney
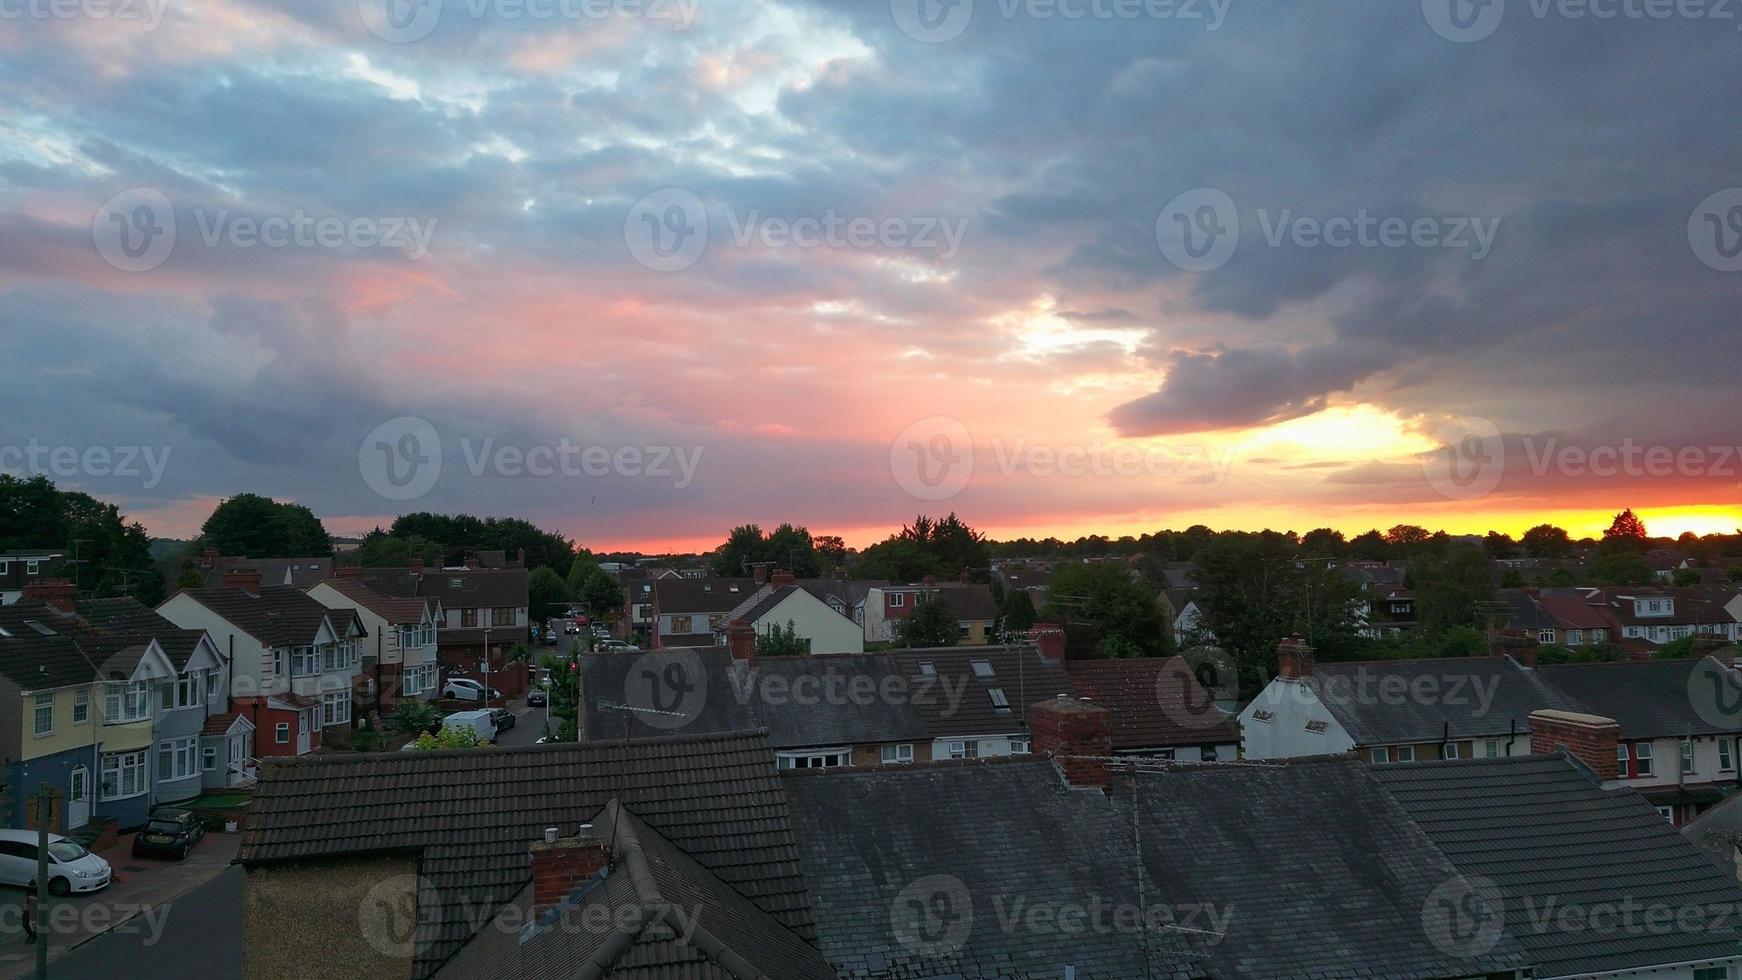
x: 244, y: 578
x: 1294, y: 658
x: 417, y: 566
x: 929, y: 580
x: 1050, y: 639
x: 55, y: 592
x: 782, y: 577
x: 559, y: 866
x: 759, y: 573
x: 1591, y: 739
x: 347, y: 571
x: 1073, y: 734
x: 1518, y: 645
x: 209, y: 557
x: 741, y: 639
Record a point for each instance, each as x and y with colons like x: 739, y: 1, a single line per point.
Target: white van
x: 71, y: 868
x: 478, y: 721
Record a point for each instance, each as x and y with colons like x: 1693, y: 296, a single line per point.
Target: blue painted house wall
x: 24, y: 779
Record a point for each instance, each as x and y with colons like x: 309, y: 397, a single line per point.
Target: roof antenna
x: 622, y: 781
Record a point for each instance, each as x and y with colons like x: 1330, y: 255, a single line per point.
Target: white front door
x: 79, y: 798
x: 303, y: 724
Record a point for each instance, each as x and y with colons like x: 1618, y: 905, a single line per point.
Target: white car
x: 466, y: 689
x: 71, y: 868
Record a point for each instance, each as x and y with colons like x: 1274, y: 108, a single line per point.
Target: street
x: 201, y: 936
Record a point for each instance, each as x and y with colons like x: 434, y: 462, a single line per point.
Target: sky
x: 643, y: 270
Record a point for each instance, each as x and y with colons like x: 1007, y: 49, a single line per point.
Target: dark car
x: 536, y: 698
x: 169, y: 831
x: 503, y: 718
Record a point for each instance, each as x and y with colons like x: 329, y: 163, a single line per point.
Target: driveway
x: 137, y: 904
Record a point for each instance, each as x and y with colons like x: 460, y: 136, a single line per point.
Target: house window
x: 1000, y: 703
x: 209, y: 758
x: 175, y: 758
x: 897, y: 600
x: 281, y: 732
x: 1726, y: 761
x: 1575, y: 637
x: 1380, y: 754
x: 893, y: 754
x: 1712, y: 973
x: 969, y: 749
x: 1491, y: 748
x: 1598, y: 636
x: 1406, y: 753
x: 336, y: 708
x: 214, y: 685
x: 5, y: 568
x: 1451, y: 751
x: 125, y: 702
x: 1621, y: 760
x: 680, y: 624
x: 338, y: 656
x: 411, y: 682
x: 1642, y: 755
x: 1687, y: 757
x: 45, y: 714
x: 1019, y: 746
x: 305, y: 661
x: 124, y: 775
x: 32, y: 567
x: 812, y: 760
x: 468, y: 618
x: 505, y: 617
x: 1546, y: 636
x: 81, y: 707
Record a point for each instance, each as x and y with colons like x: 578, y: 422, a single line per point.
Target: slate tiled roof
x: 1654, y: 699
x: 898, y: 858
x: 279, y: 616
x: 1156, y: 702
x: 802, y: 702
x: 300, y: 573
x: 1542, y: 829
x: 959, y: 702
x: 129, y: 615
x: 1473, y: 697
x: 38, y: 663
x: 394, y: 609
x: 970, y: 603
x: 472, y: 588
x: 681, y: 596
x: 1325, y: 875
x: 850, y: 592
x: 1718, y: 832
x: 655, y: 893
x: 472, y: 815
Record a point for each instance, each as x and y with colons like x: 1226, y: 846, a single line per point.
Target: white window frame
x: 1379, y: 756
x: 1643, y: 757
x: 411, y: 682
x: 209, y: 758
x: 178, y: 758
x: 897, y: 600
x: 126, y: 773
x: 335, y: 708
x: 1726, y: 754
x: 1021, y: 745
x: 305, y: 661
x: 1687, y: 754
x: 81, y: 706
x: 281, y: 733
x: 125, y: 702
x: 817, y: 759
x: 1406, y: 753
x: 37, y: 717
x: 1451, y: 751
x: 214, y: 684
x: 33, y: 566
x: 1491, y: 748
x: 894, y: 755
x: 1624, y: 759
x: 965, y: 748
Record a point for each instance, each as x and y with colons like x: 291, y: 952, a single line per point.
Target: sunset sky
x: 835, y: 384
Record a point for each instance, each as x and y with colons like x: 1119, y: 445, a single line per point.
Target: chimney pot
x: 1073, y: 734
x: 550, y: 834
x: 741, y: 639
x: 1294, y: 658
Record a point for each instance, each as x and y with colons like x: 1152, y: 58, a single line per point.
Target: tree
x: 581, y: 570
x: 1019, y: 614
x: 114, y: 556
x: 1547, y: 541
x: 1626, y: 532
x: 831, y: 552
x: 1369, y: 546
x: 1621, y: 567
x: 259, y: 527
x: 1511, y: 579
x: 1687, y: 577
x: 1499, y: 546
x: 788, y: 546
x: 602, y: 597
x: 416, y: 718
x: 1451, y: 589
x: 1324, y: 542
x: 547, y: 594
x: 782, y: 641
x: 1106, y: 611
x: 565, y: 695
x: 743, y: 548
x: 1736, y: 574
x: 943, y: 548
x: 450, y: 737
x: 931, y: 624
x: 382, y: 550
x: 460, y: 533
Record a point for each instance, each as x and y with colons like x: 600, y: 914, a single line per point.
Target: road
x: 201, y: 936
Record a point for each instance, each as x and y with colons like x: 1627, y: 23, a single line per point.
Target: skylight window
x: 999, y: 701
x: 982, y: 669
x: 928, y: 669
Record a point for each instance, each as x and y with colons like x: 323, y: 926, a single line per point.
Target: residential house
x: 974, y: 702
x: 301, y: 573
x: 1159, y: 708
x: 688, y: 612
x: 845, y: 596
x: 227, y: 752
x: 480, y: 607
x: 782, y: 604
x: 460, y: 838
x: 293, y: 662
x: 975, y: 609
x: 1184, y: 616
x: 1024, y: 577
x: 398, y: 660
x: 21, y: 567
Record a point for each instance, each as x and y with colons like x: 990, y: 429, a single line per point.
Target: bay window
x: 177, y: 758
x: 124, y: 774
x: 335, y: 708
x: 305, y: 661
x: 125, y: 702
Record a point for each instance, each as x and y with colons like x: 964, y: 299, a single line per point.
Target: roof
x: 956, y: 701
x: 1156, y: 701
x: 652, y: 895
x: 850, y: 592
x: 278, y: 616
x: 480, y: 588
x: 1718, y: 832
x: 300, y: 573
x: 38, y: 663
x: 394, y: 609
x: 129, y: 615
x: 1576, y: 612
x: 910, y: 870
x: 802, y: 702
x: 680, y: 596
x: 1376, y: 701
x: 472, y: 815
x: 1326, y: 875
x: 220, y: 724
x: 1537, y: 829
x: 973, y: 603
x: 1657, y: 698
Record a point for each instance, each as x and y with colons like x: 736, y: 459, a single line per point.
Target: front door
x: 303, y: 723
x: 79, y: 798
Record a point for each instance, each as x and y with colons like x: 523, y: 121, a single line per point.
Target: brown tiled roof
x: 394, y: 609
x: 1156, y: 702
x: 219, y: 724
x: 473, y: 814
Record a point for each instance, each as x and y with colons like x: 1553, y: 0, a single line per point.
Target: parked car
x: 618, y: 646
x: 503, y: 718
x: 550, y: 638
x: 71, y: 868
x: 481, y: 722
x: 571, y: 629
x: 466, y: 689
x: 537, y: 698
x: 170, y: 830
